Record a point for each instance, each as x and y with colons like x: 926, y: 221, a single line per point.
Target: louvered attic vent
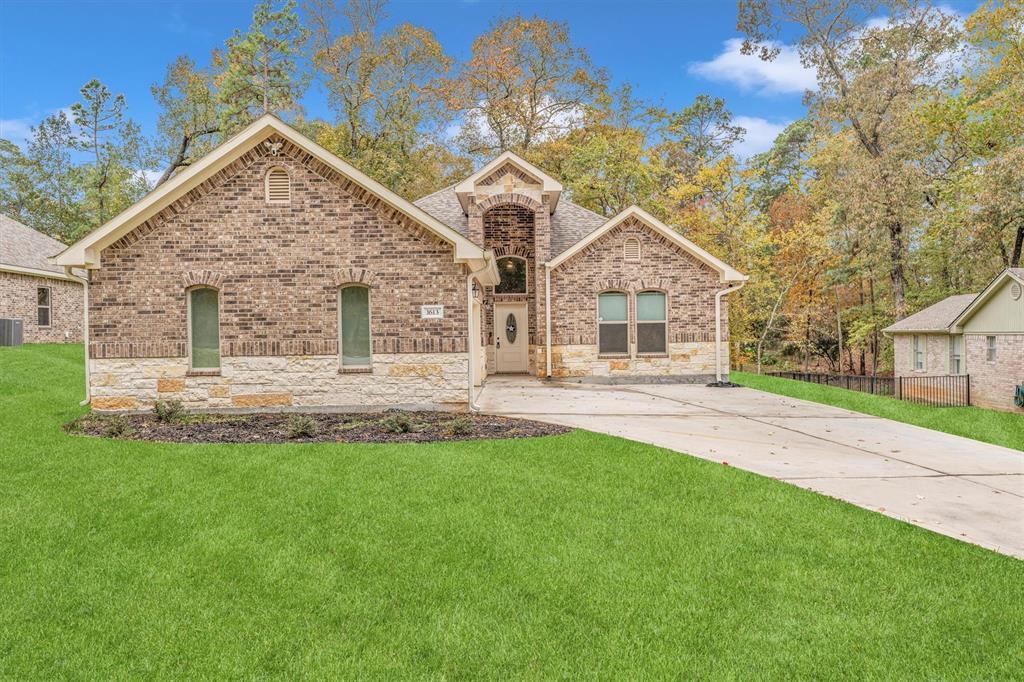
x: 631, y: 249
x: 279, y: 186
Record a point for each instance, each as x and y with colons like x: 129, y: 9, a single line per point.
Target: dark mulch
x: 377, y: 427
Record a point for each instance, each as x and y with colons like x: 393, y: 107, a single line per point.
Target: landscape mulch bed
x: 379, y: 427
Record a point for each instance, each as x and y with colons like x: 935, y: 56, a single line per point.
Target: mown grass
x: 989, y: 426
x: 571, y: 556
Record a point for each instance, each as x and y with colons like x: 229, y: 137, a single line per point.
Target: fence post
x: 899, y: 388
x: 967, y: 377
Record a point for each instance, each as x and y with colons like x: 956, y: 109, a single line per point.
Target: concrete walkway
x: 951, y: 485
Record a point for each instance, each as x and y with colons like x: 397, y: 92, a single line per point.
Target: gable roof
x: 986, y: 293
x: 25, y: 251
x: 569, y: 224
x: 935, y: 318
x: 548, y: 184
x: 727, y: 273
x: 86, y: 251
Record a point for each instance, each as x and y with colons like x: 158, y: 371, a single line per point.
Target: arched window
x: 279, y: 186
x: 513, y: 275
x: 354, y: 326
x: 631, y: 249
x: 204, y: 328
x: 613, y: 322
x: 651, y: 322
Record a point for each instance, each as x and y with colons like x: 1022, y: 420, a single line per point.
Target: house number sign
x: 432, y: 312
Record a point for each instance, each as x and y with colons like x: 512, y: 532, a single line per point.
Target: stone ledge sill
x: 203, y: 373
x: 647, y: 356
x: 613, y: 356
x: 356, y: 370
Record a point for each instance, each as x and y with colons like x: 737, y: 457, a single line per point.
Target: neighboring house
x: 981, y: 335
x: 46, y: 299
x: 271, y: 273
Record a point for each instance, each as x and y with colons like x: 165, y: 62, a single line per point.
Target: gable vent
x: 631, y: 249
x: 279, y: 186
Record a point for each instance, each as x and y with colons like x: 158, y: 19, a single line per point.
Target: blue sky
x: 670, y: 51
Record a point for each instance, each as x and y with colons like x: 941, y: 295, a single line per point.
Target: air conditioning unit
x: 11, y: 332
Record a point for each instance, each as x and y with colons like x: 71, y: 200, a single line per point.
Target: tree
x: 524, y: 83
x: 258, y: 71
x: 189, y: 117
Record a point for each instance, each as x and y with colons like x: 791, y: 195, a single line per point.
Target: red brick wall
x: 278, y: 268
x: 18, y: 297
x: 690, y: 284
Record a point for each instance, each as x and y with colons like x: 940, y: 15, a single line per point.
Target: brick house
x: 44, y: 297
x: 272, y: 274
x: 977, y: 334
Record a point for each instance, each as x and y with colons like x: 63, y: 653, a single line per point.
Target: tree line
x: 900, y: 186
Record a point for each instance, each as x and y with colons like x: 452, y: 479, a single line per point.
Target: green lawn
x: 989, y: 426
x: 571, y: 556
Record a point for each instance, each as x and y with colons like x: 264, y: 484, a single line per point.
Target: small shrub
x: 302, y: 426
x: 168, y: 411
x: 118, y: 426
x: 460, y: 426
x: 399, y: 422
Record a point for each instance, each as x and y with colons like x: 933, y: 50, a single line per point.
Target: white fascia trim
x: 956, y: 327
x: 548, y: 184
x: 86, y: 251
x: 35, y: 272
x: 728, y: 274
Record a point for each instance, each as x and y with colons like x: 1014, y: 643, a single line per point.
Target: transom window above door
x: 513, y: 275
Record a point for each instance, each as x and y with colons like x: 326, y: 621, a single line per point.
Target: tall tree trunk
x: 1018, y: 245
x: 839, y: 330
x: 896, y: 271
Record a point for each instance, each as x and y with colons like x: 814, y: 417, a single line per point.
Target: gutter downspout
x: 547, y: 319
x: 718, y: 328
x: 470, y: 344
x: 85, y: 331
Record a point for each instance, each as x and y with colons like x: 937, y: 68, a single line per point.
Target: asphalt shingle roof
x: 24, y: 247
x: 936, y: 317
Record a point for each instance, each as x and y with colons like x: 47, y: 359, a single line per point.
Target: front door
x: 511, y: 338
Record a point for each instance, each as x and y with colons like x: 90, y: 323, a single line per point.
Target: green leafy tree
x: 189, y: 121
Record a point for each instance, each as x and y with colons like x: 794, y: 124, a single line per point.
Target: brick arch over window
x: 520, y: 251
x: 349, y: 276
x: 205, y: 278
x: 514, y: 198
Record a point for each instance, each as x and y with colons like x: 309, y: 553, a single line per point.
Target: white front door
x: 511, y: 338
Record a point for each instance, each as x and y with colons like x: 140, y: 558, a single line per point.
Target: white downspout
x: 718, y: 328
x: 547, y: 319
x: 85, y: 331
x: 470, y: 343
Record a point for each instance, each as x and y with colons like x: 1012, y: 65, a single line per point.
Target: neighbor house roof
x: 976, y: 304
x: 25, y: 251
x: 569, y: 223
x: 935, y: 318
x: 86, y: 251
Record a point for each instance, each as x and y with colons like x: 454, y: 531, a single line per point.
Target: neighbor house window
x: 631, y: 249
x: 354, y: 338
x: 204, y: 328
x: 956, y: 354
x: 513, y: 275
x: 651, y: 322
x: 279, y: 186
x: 43, y: 306
x: 613, y: 323
x: 919, y: 342
x: 990, y: 348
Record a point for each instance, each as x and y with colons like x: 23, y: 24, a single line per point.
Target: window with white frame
x: 354, y: 326
x: 651, y: 322
x: 919, y: 353
x: 956, y: 354
x: 613, y: 323
x: 204, y: 328
x: 990, y: 348
x: 43, y: 306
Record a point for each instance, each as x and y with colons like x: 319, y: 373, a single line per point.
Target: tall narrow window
x: 43, y: 306
x: 613, y: 323
x: 918, y: 353
x: 355, y: 326
x: 204, y: 329
x: 651, y: 322
x: 279, y: 186
x: 956, y: 354
x: 513, y: 275
x: 990, y: 348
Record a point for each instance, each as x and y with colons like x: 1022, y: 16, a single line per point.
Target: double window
x: 613, y: 323
x: 204, y: 328
x: 43, y: 306
x: 354, y: 324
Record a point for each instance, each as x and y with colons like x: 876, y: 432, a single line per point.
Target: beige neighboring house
x: 977, y: 334
x: 273, y: 274
x: 46, y: 299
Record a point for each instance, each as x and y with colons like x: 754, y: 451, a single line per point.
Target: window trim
x: 953, y: 355
x: 919, y: 348
x: 188, y: 326
x: 266, y: 186
x: 637, y: 322
x: 48, y: 306
x: 597, y: 319
x: 991, y: 349
x: 342, y: 367
x: 526, y: 266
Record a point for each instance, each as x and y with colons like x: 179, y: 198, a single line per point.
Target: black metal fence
x: 939, y: 391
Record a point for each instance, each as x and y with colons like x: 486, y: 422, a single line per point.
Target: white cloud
x: 761, y: 133
x: 151, y: 176
x: 783, y: 75
x: 16, y: 130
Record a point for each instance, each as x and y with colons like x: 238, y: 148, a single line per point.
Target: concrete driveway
x: 951, y: 485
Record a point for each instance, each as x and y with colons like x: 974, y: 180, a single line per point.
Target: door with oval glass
x: 511, y: 338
